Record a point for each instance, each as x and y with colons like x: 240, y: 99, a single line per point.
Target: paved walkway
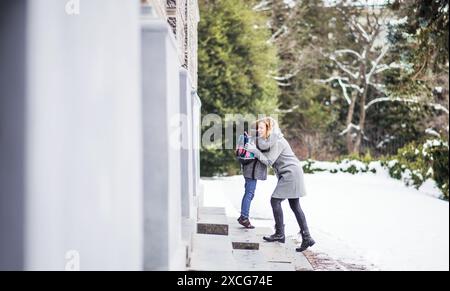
x: 221, y: 244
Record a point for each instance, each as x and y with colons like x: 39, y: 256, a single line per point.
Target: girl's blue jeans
x: 250, y: 186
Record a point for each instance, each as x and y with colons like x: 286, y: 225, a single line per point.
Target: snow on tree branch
x: 331, y: 79
x: 349, y: 127
x: 283, y: 30
x: 264, y: 5
x: 431, y: 131
x: 439, y: 107
x: 349, y: 51
x: 286, y: 77
x: 384, y: 50
x: 344, y: 91
x: 343, y: 68
x: 380, y: 87
x: 363, y: 32
x: 356, y: 87
x: 416, y: 100
x: 384, y: 67
x: 343, y: 86
x: 287, y: 110
x: 355, y: 26
x: 283, y: 84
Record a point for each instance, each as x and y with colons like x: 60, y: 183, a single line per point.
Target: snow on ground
x: 365, y: 219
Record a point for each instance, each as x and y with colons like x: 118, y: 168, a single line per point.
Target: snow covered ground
x: 365, y: 219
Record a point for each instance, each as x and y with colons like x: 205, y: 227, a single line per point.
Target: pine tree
x: 420, y: 39
x: 235, y: 64
x: 424, y: 33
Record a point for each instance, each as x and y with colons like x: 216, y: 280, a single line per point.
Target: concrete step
x: 300, y: 261
x: 278, y: 256
x: 212, y: 253
x: 212, y: 220
x: 239, y: 248
x: 243, y: 238
x: 251, y: 260
x: 212, y: 211
x: 253, y: 253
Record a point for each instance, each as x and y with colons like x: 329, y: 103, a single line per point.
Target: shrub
x: 416, y: 162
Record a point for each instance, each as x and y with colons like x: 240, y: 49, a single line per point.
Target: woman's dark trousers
x: 299, y: 215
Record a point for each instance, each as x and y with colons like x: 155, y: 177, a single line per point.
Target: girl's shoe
x: 245, y: 222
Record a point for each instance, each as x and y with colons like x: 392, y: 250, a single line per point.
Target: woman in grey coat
x: 289, y: 172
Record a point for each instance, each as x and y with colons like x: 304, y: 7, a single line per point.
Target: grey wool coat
x: 255, y: 169
x: 286, y: 165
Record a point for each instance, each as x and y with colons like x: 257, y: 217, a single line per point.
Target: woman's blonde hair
x: 270, y: 124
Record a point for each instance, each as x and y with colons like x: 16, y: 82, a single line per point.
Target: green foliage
x: 239, y: 70
x: 366, y: 158
x: 416, y: 162
x: 318, y: 111
x: 235, y: 67
x: 437, y: 155
x: 346, y: 165
x: 419, y: 41
x: 395, y: 170
x: 424, y: 36
x: 391, y: 125
x: 308, y: 167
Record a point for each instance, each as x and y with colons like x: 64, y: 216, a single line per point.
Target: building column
x: 163, y: 249
x: 187, y: 158
x: 12, y: 133
x: 196, y: 131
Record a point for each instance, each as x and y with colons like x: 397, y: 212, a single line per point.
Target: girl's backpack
x: 244, y: 156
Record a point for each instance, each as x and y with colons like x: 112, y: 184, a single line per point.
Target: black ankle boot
x: 307, y: 241
x: 277, y: 236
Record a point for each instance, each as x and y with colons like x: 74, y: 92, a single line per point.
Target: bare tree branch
x: 331, y: 79
x: 287, y: 110
x: 436, y: 106
x: 284, y: 84
x: 384, y: 67
x: 286, y: 77
x: 343, y: 86
x: 344, y: 91
x: 384, y: 50
x: 349, y: 51
x: 343, y: 68
x: 380, y: 87
x: 363, y: 32
x: 280, y: 32
x: 350, y: 127
x: 263, y: 5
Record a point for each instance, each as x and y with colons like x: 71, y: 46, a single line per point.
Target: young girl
x: 253, y: 170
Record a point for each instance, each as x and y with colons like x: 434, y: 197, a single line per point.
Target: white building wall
x: 89, y: 101
x: 82, y: 146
